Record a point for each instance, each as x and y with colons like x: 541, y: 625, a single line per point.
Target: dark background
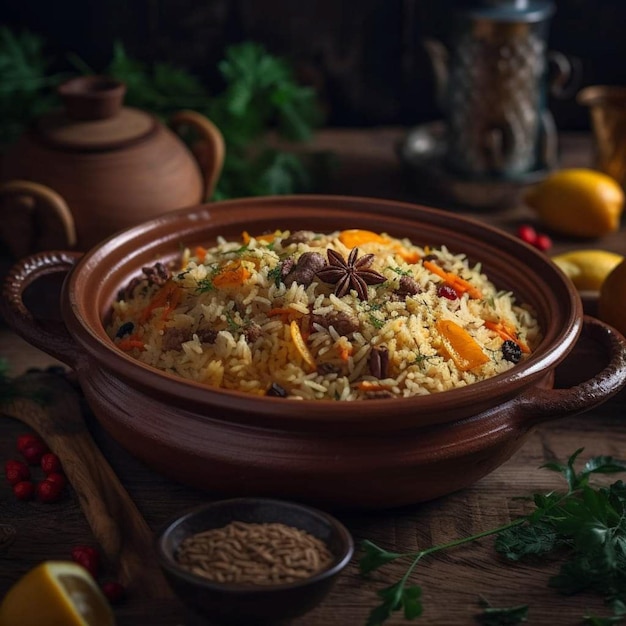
x: 366, y: 58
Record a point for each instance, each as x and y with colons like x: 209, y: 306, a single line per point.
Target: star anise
x: 351, y: 274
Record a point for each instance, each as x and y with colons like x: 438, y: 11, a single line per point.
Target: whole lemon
x: 587, y: 269
x: 612, y: 300
x: 578, y: 201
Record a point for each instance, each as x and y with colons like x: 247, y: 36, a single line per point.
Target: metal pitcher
x: 492, y: 81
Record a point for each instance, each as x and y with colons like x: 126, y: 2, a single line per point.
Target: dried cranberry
x: 114, y: 592
x: 511, y: 351
x: 48, y: 491
x: 16, y: 471
x: 527, y: 233
x: 447, y: 291
x: 50, y: 463
x: 24, y: 490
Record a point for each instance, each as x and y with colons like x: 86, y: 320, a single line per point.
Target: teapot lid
x: 508, y: 10
x: 93, y: 118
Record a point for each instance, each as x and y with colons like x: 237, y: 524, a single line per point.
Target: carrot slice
x: 345, y: 351
x: 200, y: 253
x: 233, y: 274
x: 267, y: 237
x: 460, y: 346
x: 169, y: 296
x: 507, y: 334
x: 457, y: 283
x: 129, y: 343
x: 301, y: 346
x: 356, y: 237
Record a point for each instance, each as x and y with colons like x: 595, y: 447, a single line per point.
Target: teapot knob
x: 92, y: 97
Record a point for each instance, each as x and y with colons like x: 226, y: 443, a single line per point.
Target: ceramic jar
x: 81, y: 173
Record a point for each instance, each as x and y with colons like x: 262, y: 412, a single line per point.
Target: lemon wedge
x: 612, y: 299
x: 56, y: 593
x: 588, y: 269
x: 578, y: 201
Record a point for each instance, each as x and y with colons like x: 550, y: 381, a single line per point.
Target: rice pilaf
x: 343, y: 316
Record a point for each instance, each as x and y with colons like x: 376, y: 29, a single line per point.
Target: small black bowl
x: 229, y: 603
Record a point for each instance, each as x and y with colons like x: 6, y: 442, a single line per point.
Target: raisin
x: 276, y: 391
x: 125, y: 329
x: 511, y: 351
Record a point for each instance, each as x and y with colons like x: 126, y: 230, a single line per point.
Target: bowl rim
x: 168, y: 562
x: 92, y: 337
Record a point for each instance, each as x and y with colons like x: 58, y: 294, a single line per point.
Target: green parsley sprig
x: 585, y: 526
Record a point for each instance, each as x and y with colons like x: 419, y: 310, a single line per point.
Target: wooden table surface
x: 452, y: 582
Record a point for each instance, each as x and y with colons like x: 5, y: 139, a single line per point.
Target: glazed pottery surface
x: 366, y: 454
x: 95, y: 167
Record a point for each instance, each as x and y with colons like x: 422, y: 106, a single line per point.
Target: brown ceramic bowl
x: 229, y: 603
x: 366, y: 454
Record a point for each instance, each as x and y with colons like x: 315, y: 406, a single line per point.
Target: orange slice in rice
x: 301, y: 347
x: 460, y: 346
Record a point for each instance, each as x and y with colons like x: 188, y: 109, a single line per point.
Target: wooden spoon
x: 49, y: 404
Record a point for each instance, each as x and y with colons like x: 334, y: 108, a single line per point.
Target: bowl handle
x: 540, y: 405
x: 209, y: 149
x: 49, y: 218
x: 49, y: 335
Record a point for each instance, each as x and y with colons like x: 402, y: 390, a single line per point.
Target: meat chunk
x: 299, y: 236
x: 173, y: 338
x: 252, y: 332
x: 307, y: 266
x: 206, y: 335
x: 408, y: 287
x: 157, y: 274
x: 344, y: 323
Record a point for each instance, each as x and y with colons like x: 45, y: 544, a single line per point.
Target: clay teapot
x: 81, y: 173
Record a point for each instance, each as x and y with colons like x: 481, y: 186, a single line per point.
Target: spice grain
x: 254, y: 553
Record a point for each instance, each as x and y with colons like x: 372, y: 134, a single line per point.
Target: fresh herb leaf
x: 375, y: 557
x: 585, y: 526
x: 275, y: 275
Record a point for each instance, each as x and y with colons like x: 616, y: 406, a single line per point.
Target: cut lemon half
x: 56, y: 593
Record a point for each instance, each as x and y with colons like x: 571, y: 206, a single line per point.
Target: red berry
x: 543, y: 242
x: 527, y: 233
x: 114, y: 592
x: 26, y: 440
x: 50, y: 463
x: 57, y: 478
x: 447, y: 291
x: 24, y: 490
x: 16, y: 471
x: 48, y: 491
x: 34, y: 452
x: 88, y: 557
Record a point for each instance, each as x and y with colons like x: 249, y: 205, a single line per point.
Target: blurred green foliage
x: 260, y: 100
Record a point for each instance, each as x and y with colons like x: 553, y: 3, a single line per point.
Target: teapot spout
x: 438, y: 55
